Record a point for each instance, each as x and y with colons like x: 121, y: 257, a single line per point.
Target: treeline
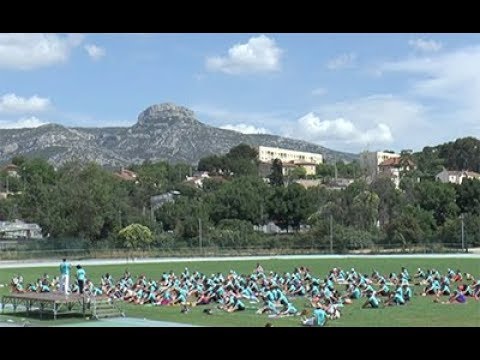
x: 85, y: 201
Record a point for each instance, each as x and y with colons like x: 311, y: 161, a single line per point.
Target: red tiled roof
x: 126, y: 175
x: 10, y: 167
x: 398, y: 161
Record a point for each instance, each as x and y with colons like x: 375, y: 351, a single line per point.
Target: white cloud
x: 311, y: 127
x: 319, y: 91
x: 11, y: 103
x: 94, y: 51
x: 218, y: 116
x: 425, y: 45
x: 31, y: 51
x: 245, y: 129
x: 259, y: 54
x: 30, y: 122
x: 371, y: 122
x: 342, y: 61
x: 451, y: 81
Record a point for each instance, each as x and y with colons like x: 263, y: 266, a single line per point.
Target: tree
x: 437, y: 197
x: 389, y: 199
x: 298, y: 173
x: 325, y: 170
x: 240, y: 199
x: 276, y: 175
x: 413, y: 225
x: 365, y: 208
x: 468, y: 196
x: 136, y: 236
x: 19, y: 160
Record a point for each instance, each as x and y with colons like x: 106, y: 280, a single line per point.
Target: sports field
x: 421, y: 311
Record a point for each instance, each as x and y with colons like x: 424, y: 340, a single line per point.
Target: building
x: 126, y: 175
x: 309, y: 183
x: 394, y: 168
x: 19, y: 229
x: 268, y: 154
x: 158, y: 201
x: 291, y: 160
x: 371, y: 161
x: 456, y: 177
x: 11, y: 170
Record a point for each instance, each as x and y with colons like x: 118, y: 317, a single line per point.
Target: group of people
x: 57, y: 283
x: 273, y: 293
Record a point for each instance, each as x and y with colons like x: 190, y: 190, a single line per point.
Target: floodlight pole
x: 200, y: 233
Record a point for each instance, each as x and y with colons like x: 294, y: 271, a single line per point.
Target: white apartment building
x: 372, y: 159
x: 268, y: 154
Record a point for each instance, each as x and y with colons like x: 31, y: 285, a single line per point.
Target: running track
x: 49, y: 263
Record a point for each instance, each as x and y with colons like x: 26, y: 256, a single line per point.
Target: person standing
x: 65, y: 268
x: 80, y: 278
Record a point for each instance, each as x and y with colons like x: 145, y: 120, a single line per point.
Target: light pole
x: 463, y: 232
x: 200, y: 233
x: 331, y: 234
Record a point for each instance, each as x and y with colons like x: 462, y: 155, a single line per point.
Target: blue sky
x: 349, y: 92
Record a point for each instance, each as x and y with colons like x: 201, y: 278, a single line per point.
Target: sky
x: 347, y: 92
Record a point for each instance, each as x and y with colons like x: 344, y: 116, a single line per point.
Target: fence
x: 165, y: 252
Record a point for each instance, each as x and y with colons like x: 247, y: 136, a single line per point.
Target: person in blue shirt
x: 319, y: 318
x: 384, y: 290
x: 65, y: 269
x: 80, y: 278
x: 288, y: 309
x: 397, y: 297
x: 407, y: 292
x: 372, y: 301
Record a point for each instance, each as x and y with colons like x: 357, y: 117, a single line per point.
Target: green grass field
x: 421, y: 311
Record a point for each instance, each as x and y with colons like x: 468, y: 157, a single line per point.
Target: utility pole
x: 331, y: 234
x: 200, y: 233
x: 463, y: 232
x: 336, y: 171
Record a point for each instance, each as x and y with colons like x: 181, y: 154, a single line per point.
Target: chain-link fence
x: 23, y: 251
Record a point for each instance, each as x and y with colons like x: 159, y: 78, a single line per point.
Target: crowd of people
x: 269, y: 293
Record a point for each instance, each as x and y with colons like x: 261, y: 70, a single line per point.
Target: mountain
x: 162, y: 132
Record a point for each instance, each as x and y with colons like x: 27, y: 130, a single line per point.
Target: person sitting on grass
x: 384, y: 290
x: 420, y: 274
x: 468, y: 276
x: 181, y: 297
x: 269, y: 307
x: 288, y: 309
x: 457, y: 277
x: 397, y: 298
x: 456, y: 298
x: 407, y: 292
x: 234, y: 304
x: 203, y: 298
x: 372, y: 300
x: 476, y: 289
x: 319, y: 317
x: 353, y: 292
x: 465, y: 289
x: 432, y: 287
x: 405, y: 274
x: 444, y: 289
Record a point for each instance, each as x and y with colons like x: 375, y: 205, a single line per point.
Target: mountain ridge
x: 162, y: 132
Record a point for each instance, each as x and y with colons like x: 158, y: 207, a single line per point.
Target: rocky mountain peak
x: 165, y: 114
